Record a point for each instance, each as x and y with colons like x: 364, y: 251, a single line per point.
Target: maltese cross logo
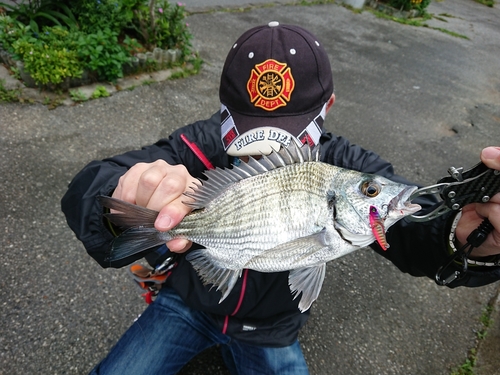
x: 270, y: 85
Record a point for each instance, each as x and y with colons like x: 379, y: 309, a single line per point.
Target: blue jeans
x: 169, y: 334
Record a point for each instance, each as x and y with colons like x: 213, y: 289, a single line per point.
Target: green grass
x: 452, y: 33
x: 486, y: 321
x: 8, y: 96
x: 418, y: 22
x: 489, y: 3
x: 468, y: 367
x: 470, y: 363
x: 77, y: 95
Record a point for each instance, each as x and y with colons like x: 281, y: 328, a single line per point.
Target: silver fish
x: 285, y: 211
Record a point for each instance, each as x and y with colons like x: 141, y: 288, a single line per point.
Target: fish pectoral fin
x: 212, y: 273
x: 134, y: 241
x: 299, y: 249
x: 355, y: 239
x: 307, y: 281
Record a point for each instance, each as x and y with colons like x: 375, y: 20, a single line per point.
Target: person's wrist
x: 488, y: 261
x: 454, y: 244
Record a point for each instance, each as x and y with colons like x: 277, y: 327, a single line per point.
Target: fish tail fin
x: 134, y: 241
x: 129, y: 215
x: 138, y: 224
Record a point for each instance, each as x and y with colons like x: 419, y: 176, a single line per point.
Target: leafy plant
x: 11, y: 30
x: 101, y: 36
x: 162, y: 25
x: 39, y: 13
x: 100, y: 92
x: 101, y: 53
x: 8, y: 95
x: 77, y: 95
x: 467, y: 368
x: 48, y: 65
x: 47, y: 56
x: 132, y: 46
x: 171, y: 30
x: 104, y: 14
x: 407, y: 5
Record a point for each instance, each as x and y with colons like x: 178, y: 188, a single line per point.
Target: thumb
x: 491, y: 157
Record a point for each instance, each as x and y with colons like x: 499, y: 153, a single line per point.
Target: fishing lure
x: 377, y: 224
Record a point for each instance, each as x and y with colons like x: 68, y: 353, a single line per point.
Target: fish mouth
x: 401, y: 203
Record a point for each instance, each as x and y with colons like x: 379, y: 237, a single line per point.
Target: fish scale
x: 286, y: 211
x: 222, y: 222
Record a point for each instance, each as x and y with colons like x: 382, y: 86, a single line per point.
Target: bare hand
x: 160, y: 187
x: 473, y: 214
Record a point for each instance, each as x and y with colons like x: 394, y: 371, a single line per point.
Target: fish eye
x: 370, y: 188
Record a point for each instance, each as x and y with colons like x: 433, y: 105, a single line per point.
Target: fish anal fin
x: 212, y: 273
x: 307, y: 283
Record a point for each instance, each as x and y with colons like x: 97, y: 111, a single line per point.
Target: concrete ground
x: 420, y: 97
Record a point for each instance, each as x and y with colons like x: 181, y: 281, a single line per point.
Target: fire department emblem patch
x: 270, y: 85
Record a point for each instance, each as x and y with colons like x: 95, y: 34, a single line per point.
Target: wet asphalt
x: 420, y: 97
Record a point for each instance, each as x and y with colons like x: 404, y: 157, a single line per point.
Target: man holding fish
x: 256, y: 200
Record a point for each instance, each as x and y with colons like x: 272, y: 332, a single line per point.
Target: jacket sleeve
x: 83, y: 212
x: 417, y: 248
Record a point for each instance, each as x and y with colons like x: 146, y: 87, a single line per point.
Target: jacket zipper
x: 196, y: 150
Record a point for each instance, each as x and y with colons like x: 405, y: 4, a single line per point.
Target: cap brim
x: 305, y: 128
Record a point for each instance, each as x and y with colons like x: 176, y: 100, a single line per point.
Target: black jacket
x: 260, y: 309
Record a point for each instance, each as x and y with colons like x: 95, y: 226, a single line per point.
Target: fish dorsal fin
x: 219, y: 179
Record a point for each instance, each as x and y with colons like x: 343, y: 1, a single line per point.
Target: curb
x: 488, y: 360
x: 127, y: 83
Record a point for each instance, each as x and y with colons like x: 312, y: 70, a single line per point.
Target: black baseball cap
x: 274, y: 87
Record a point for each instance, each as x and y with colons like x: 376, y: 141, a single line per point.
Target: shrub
x: 100, y: 92
x: 162, y: 25
x: 101, y: 53
x: 11, y: 30
x: 407, y: 5
x: 48, y: 56
x: 99, y: 36
x: 103, y: 14
x: 39, y: 13
x: 171, y: 29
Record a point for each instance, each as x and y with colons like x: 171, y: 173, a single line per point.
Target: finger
x: 171, y: 187
x: 491, y: 211
x: 149, y: 181
x: 126, y: 189
x: 171, y: 215
x: 179, y: 245
x: 117, y: 193
x: 491, y: 157
x: 472, y: 216
x: 495, y: 198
